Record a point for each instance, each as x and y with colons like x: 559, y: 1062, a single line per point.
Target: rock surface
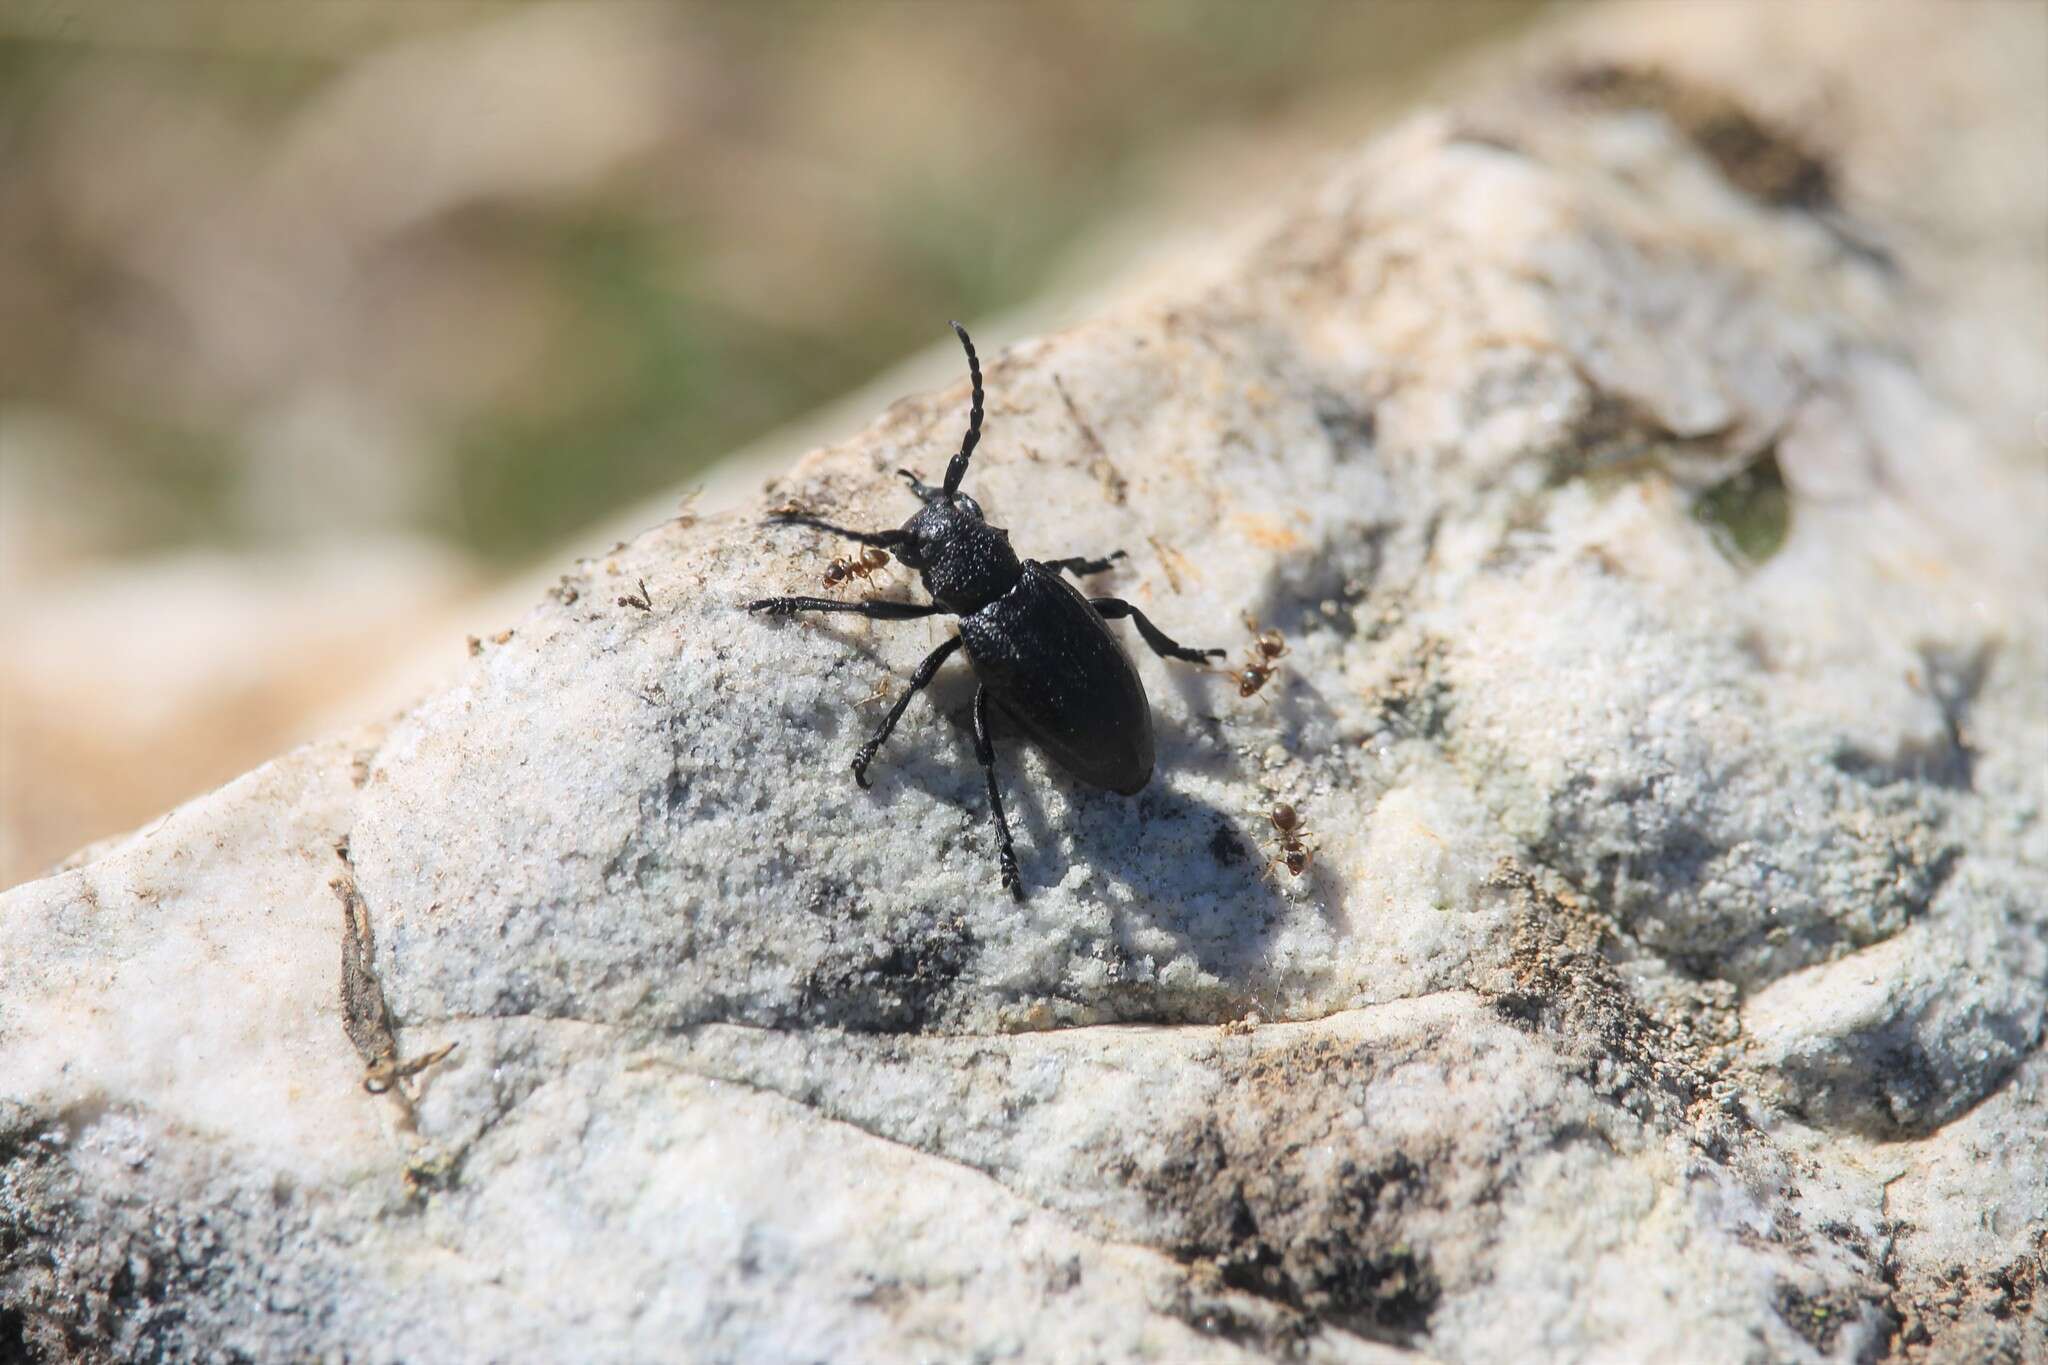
x: 1637, y: 456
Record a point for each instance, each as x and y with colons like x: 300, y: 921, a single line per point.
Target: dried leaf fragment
x: 364, y: 1015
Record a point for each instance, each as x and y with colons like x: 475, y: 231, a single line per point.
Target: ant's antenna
x: 957, y: 469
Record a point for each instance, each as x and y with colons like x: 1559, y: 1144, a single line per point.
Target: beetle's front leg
x: 884, y: 539
x: 1115, y: 608
x: 880, y: 609
x: 918, y: 680
x: 1081, y: 568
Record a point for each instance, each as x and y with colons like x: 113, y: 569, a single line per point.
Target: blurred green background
x: 317, y: 316
x: 488, y: 271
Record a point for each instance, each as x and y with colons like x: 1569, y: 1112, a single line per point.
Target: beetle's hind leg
x: 924, y: 674
x: 1081, y: 567
x: 1115, y: 608
x: 985, y: 750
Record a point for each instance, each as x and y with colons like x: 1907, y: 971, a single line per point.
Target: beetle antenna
x: 957, y: 470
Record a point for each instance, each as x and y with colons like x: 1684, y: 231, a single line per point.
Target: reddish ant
x: 1294, y: 855
x: 866, y: 564
x: 1261, y: 659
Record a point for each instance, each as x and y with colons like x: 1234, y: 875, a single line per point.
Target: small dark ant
x: 866, y: 564
x: 1262, y: 658
x: 640, y: 600
x: 1294, y: 855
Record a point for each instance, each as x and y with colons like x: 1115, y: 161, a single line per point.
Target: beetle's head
x: 949, y: 517
x: 944, y: 517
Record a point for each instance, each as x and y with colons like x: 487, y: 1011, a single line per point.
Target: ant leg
x: 985, y: 750
x: 1080, y: 568
x: 884, y: 539
x: 1115, y: 608
x: 880, y: 609
x: 918, y: 680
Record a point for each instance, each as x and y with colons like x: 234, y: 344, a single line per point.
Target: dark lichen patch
x: 1969, y: 1314
x: 1758, y: 156
x: 1332, y: 1254
x: 1817, y: 1318
x: 2012, y: 1288
x: 1339, y: 1270
x: 33, y: 1193
x: 1667, y: 1066
x: 92, y: 1274
x: 1261, y: 1208
x: 899, y: 976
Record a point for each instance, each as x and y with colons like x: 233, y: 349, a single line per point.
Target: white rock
x: 1667, y: 699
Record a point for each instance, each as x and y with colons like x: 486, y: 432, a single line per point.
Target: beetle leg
x: 880, y: 608
x: 882, y: 538
x: 1080, y: 567
x: 918, y: 680
x: 985, y: 750
x: 1115, y: 608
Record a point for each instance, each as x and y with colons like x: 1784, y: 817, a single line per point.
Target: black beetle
x: 1041, y: 650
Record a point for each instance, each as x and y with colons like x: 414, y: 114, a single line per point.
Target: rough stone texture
x: 1637, y: 457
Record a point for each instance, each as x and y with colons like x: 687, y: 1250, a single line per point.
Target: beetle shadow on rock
x: 865, y: 657
x: 1180, y: 864
x: 1305, y: 721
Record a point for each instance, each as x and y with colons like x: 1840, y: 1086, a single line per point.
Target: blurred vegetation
x: 492, y: 270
